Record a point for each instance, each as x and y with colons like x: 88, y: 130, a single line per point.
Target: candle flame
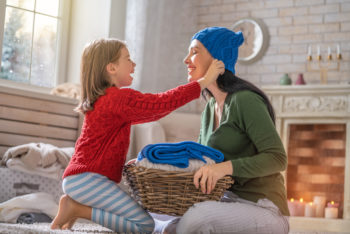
x: 301, y: 200
x: 332, y: 202
x: 310, y: 203
x: 292, y: 199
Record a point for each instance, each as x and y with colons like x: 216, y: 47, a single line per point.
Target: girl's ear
x: 111, y: 68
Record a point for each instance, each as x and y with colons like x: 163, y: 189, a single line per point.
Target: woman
x: 239, y: 121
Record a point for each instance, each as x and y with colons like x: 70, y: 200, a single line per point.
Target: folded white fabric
x: 55, y: 171
x: 194, y: 165
x: 34, y: 202
x: 38, y: 158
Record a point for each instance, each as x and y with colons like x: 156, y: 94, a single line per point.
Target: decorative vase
x: 300, y: 80
x: 285, y: 80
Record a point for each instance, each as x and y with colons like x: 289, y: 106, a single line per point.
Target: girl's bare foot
x: 68, y: 211
x: 70, y: 224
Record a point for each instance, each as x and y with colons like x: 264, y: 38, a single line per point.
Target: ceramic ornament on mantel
x: 285, y: 80
x: 300, y: 80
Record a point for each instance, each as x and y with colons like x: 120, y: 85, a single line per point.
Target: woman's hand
x: 207, y: 176
x: 215, y: 69
x: 131, y: 161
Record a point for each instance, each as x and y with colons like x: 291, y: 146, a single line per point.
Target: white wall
x: 158, y: 34
x: 293, y: 26
x: 117, y: 19
x: 90, y: 20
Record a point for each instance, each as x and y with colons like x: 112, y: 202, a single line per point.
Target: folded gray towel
x: 30, y: 218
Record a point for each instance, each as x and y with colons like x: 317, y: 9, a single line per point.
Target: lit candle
x: 301, y: 207
x: 320, y: 203
x: 309, y: 56
x: 329, y: 53
x: 333, y: 204
x: 310, y: 210
x: 319, y: 53
x: 293, y: 207
x: 338, y: 52
x: 331, y: 211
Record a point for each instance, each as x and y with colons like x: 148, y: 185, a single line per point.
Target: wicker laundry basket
x: 168, y: 192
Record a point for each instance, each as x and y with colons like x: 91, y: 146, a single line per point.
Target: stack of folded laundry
x: 185, y: 156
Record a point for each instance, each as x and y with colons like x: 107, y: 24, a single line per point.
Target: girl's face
x: 120, y: 71
x: 198, y: 60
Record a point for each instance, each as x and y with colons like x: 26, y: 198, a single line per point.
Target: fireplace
x: 316, y: 162
x: 314, y: 124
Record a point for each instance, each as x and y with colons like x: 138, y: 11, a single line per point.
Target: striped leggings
x: 111, y: 206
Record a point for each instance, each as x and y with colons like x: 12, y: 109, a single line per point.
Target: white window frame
x: 62, y: 47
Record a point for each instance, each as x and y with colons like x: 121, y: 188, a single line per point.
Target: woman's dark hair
x: 230, y: 83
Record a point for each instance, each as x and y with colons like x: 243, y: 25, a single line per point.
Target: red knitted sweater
x: 105, y: 136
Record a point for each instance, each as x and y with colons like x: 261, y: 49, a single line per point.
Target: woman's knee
x: 195, y: 220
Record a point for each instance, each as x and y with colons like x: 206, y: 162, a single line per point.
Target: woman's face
x: 198, y: 60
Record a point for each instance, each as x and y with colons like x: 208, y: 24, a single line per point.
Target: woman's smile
x: 190, y: 69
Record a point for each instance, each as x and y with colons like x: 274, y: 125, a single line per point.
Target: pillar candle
x: 296, y: 208
x: 310, y: 210
x: 320, y: 203
x: 293, y: 207
x: 331, y: 211
x: 301, y: 207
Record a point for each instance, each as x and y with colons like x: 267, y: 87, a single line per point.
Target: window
x: 33, y: 35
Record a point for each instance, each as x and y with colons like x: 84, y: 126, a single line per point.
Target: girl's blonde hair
x: 93, y: 76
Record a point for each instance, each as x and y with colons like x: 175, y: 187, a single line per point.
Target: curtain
x: 158, y: 34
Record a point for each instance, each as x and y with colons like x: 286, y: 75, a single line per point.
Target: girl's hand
x: 207, y: 176
x: 215, y: 69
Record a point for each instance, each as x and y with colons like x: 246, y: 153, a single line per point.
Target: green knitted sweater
x: 248, y: 138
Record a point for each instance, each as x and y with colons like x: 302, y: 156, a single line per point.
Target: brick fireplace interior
x: 316, y: 162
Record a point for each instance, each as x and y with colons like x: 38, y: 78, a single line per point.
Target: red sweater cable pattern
x: 105, y: 136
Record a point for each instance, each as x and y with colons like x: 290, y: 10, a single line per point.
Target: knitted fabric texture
x: 222, y: 44
x: 178, y: 154
x: 104, y: 140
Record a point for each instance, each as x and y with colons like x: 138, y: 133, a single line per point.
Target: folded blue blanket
x: 178, y: 154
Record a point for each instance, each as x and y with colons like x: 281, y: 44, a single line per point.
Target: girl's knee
x: 147, y: 226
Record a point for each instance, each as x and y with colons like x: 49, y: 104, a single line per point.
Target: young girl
x: 91, y: 178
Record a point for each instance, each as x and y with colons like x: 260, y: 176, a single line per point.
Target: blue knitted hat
x: 222, y: 44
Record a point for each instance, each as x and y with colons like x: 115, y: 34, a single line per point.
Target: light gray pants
x: 233, y: 215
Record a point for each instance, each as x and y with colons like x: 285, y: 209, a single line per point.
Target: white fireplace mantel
x: 315, y: 104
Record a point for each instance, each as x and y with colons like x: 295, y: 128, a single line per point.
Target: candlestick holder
x: 323, y: 63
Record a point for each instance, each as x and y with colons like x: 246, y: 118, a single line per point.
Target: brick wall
x: 293, y: 25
